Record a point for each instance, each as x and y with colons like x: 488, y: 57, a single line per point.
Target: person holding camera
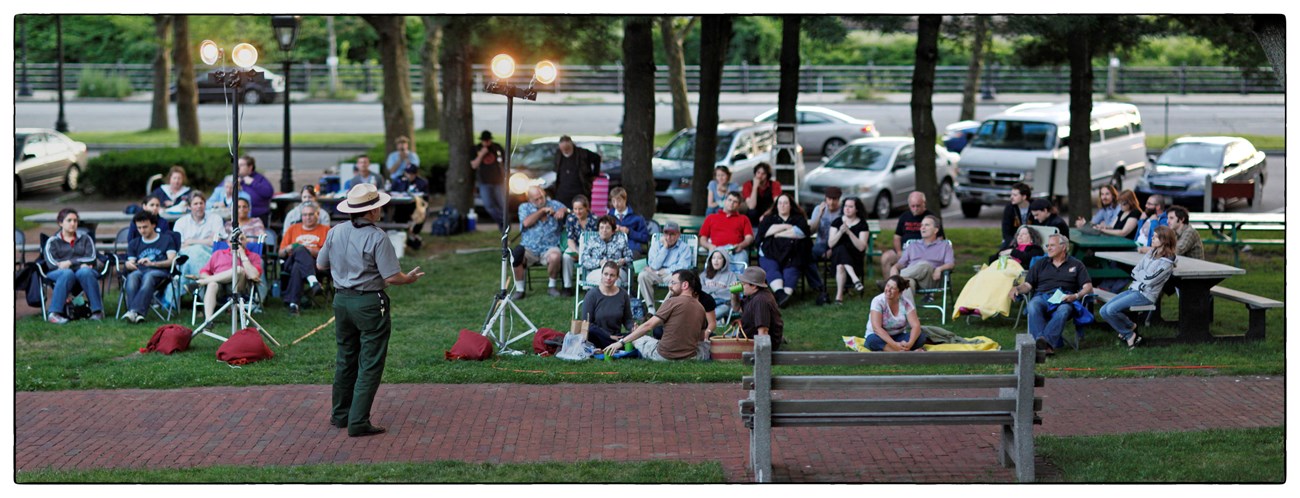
x: 540, y: 221
x: 220, y: 270
x: 488, y: 157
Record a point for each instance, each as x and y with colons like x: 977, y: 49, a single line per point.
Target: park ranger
x: 362, y: 262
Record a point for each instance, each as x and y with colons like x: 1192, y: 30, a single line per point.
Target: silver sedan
x: 823, y: 131
x: 44, y: 158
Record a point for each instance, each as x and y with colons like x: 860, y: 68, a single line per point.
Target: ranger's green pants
x: 362, y: 327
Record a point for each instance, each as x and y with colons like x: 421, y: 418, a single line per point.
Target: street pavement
x: 512, y: 423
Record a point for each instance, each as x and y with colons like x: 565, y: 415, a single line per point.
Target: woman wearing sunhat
x: 760, y: 315
x: 362, y: 262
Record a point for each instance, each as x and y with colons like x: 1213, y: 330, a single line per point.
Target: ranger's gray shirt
x: 358, y: 258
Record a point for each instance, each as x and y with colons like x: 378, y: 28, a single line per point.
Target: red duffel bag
x: 244, y: 347
x: 168, y: 339
x: 542, y: 336
x: 470, y: 345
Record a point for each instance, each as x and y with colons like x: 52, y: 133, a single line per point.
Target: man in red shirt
x: 302, y: 241
x: 728, y: 230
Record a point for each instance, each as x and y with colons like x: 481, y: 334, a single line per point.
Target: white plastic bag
x: 575, y: 348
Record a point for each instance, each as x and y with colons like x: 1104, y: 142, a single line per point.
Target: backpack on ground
x: 447, y: 223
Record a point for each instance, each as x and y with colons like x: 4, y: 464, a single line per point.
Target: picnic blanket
x: 988, y: 293
x: 944, y: 340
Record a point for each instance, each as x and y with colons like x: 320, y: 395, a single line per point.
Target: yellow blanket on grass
x: 989, y: 291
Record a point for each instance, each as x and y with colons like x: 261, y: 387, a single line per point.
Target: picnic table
x: 1193, y: 278
x: 1084, y: 247
x: 1226, y: 229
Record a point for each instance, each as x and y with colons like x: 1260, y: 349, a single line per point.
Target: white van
x: 1007, y: 147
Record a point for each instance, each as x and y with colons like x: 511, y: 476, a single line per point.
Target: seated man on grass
x: 728, y: 231
x: 924, y: 260
x: 541, y: 220
x: 148, y: 259
x: 666, y: 256
x: 684, y: 324
x: 1057, y: 273
x: 301, y: 244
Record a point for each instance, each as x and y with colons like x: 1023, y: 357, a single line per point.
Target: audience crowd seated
x: 1149, y: 278
x: 719, y: 187
x: 728, y: 231
x: 1057, y: 282
x: 174, y: 191
x: 541, y: 234
x: 893, y: 324
x: 783, y: 246
x: 148, y: 260
x: 71, y: 261
x: 361, y: 174
x: 257, y: 187
x: 1126, y: 219
x: 607, y: 308
x: 299, y: 247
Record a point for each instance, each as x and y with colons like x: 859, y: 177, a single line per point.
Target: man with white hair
x: 541, y: 221
x: 1057, y: 283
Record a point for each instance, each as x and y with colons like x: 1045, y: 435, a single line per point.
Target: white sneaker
x: 129, y: 316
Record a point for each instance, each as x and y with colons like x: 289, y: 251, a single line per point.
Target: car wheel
x: 72, y: 179
x: 971, y: 209
x: 252, y: 97
x: 882, y: 206
x: 945, y: 193
x: 18, y: 187
x: 1117, y: 180
x: 832, y: 146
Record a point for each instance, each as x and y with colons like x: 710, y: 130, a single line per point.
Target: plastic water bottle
x: 473, y: 220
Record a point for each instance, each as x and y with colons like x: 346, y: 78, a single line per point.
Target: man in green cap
x: 362, y: 262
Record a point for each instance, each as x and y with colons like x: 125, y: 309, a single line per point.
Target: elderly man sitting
x: 541, y: 220
x: 667, y: 256
x: 1057, y: 273
x: 301, y: 244
x: 924, y: 260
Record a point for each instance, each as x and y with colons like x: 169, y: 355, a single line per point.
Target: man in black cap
x: 488, y: 157
x: 575, y: 169
x: 1040, y: 210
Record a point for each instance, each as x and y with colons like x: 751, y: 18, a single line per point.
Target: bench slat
x: 1245, y: 298
x: 888, y: 420
x: 842, y: 382
x: 909, y: 358
x: 1105, y: 296
x: 866, y: 407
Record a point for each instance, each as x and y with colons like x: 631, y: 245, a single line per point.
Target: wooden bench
x: 1014, y: 407
x: 1256, y: 305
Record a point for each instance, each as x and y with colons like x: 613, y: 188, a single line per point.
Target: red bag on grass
x: 470, y: 345
x: 168, y: 339
x: 541, y: 348
x: 244, y: 347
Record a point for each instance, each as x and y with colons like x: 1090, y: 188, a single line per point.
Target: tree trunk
x: 715, y: 34
x: 399, y: 119
x: 973, y: 70
x: 672, y: 42
x: 1270, y: 29
x: 457, y: 110
x: 788, y: 94
x: 639, y: 109
x: 162, y: 71
x: 429, y: 73
x: 1079, y: 49
x: 927, y: 57
x: 187, y: 92
x: 334, y: 55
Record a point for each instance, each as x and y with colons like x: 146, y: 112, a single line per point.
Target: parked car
x: 534, y: 163
x: 824, y: 130
x: 260, y: 91
x: 1180, y: 171
x: 741, y: 147
x: 880, y: 171
x: 44, y: 158
x: 957, y: 135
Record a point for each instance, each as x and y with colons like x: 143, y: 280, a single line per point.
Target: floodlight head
x: 503, y: 66
x: 209, y: 52
x: 545, y: 72
x: 244, y: 55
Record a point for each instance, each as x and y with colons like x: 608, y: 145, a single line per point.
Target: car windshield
x: 1192, y: 155
x: 537, y: 157
x: 871, y: 157
x: 1022, y: 135
x: 19, y: 138
x: 682, y: 148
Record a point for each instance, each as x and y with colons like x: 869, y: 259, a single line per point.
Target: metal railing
x: 308, y: 77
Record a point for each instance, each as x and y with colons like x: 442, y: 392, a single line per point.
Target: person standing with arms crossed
x: 362, y: 263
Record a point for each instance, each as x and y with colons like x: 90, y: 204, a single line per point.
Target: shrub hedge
x: 125, y: 173
x: 96, y: 83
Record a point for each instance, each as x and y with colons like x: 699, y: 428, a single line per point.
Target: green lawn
x: 1156, y: 140
x: 441, y: 472
x: 1211, y: 456
x: 20, y: 213
x: 458, y: 289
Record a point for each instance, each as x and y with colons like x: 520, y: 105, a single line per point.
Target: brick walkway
x: 287, y: 425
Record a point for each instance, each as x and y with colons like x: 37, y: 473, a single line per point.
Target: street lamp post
x: 503, y: 66
x: 60, y: 124
x: 286, y: 32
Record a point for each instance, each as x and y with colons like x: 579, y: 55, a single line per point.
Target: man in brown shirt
x: 683, y: 318
x: 762, y: 316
